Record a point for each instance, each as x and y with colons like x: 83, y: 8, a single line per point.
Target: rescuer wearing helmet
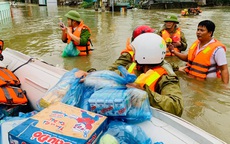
x: 126, y: 56
x: 77, y: 32
x: 172, y: 34
x: 154, y: 74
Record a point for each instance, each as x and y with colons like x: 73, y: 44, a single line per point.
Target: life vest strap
x: 10, y: 95
x: 200, y: 65
x: 7, y: 95
x: 198, y: 71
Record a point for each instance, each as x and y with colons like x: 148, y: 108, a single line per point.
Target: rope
x: 22, y: 65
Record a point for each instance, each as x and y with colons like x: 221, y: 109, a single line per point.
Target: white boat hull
x: 37, y: 77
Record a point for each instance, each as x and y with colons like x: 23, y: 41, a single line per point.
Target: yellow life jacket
x: 84, y: 49
x: 150, y: 78
x: 198, y: 65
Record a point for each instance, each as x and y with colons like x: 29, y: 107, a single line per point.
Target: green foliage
x: 86, y: 4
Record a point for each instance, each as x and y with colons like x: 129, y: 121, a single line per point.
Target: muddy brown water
x: 34, y: 30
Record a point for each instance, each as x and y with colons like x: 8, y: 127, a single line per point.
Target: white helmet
x: 149, y: 48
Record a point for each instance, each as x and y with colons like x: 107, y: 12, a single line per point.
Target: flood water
x: 34, y: 30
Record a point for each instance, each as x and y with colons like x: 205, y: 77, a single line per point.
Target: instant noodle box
x: 59, y: 124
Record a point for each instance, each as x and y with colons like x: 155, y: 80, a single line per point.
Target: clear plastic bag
x: 140, y: 107
x: 56, y: 93
x: 126, y: 104
x: 73, y: 95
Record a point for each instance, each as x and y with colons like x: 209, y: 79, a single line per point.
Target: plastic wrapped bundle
x: 84, y: 104
x: 56, y: 93
x: 126, y: 104
x: 140, y: 110
x: 110, y: 102
x: 106, y: 78
x: 100, y: 79
x: 75, y: 92
x: 125, y: 134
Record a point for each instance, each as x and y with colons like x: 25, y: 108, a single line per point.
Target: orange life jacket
x: 10, y: 92
x: 85, y: 49
x: 165, y: 35
x: 10, y: 95
x: 198, y: 65
x: 8, y: 78
x: 149, y: 78
x: 1, y: 46
x: 128, y: 48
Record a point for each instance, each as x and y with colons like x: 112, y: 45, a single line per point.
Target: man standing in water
x: 77, y: 32
x: 172, y: 34
x: 206, y: 57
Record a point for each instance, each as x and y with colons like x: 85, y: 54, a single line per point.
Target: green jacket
x: 167, y: 95
x: 184, y: 44
x: 85, y: 34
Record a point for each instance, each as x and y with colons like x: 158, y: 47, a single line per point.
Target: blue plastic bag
x: 140, y: 107
x: 129, y: 78
x: 70, y: 50
x: 106, y: 78
x: 84, y: 104
x: 126, y: 133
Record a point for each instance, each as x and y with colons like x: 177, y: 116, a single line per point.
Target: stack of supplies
x: 110, y: 102
x: 59, y: 123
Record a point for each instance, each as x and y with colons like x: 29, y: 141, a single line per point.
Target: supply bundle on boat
x: 57, y: 93
x: 114, y: 99
x: 60, y: 123
x: 110, y: 102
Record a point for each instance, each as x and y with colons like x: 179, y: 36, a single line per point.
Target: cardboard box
x: 59, y: 124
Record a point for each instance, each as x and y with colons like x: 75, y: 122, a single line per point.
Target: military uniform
x: 167, y: 95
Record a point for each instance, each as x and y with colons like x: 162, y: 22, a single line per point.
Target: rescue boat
x: 37, y: 77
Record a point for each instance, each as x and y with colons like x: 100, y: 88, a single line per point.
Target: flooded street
x: 34, y: 30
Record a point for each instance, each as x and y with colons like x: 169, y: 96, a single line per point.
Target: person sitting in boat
x: 154, y: 74
x: 206, y: 57
x: 172, y: 34
x: 77, y: 32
